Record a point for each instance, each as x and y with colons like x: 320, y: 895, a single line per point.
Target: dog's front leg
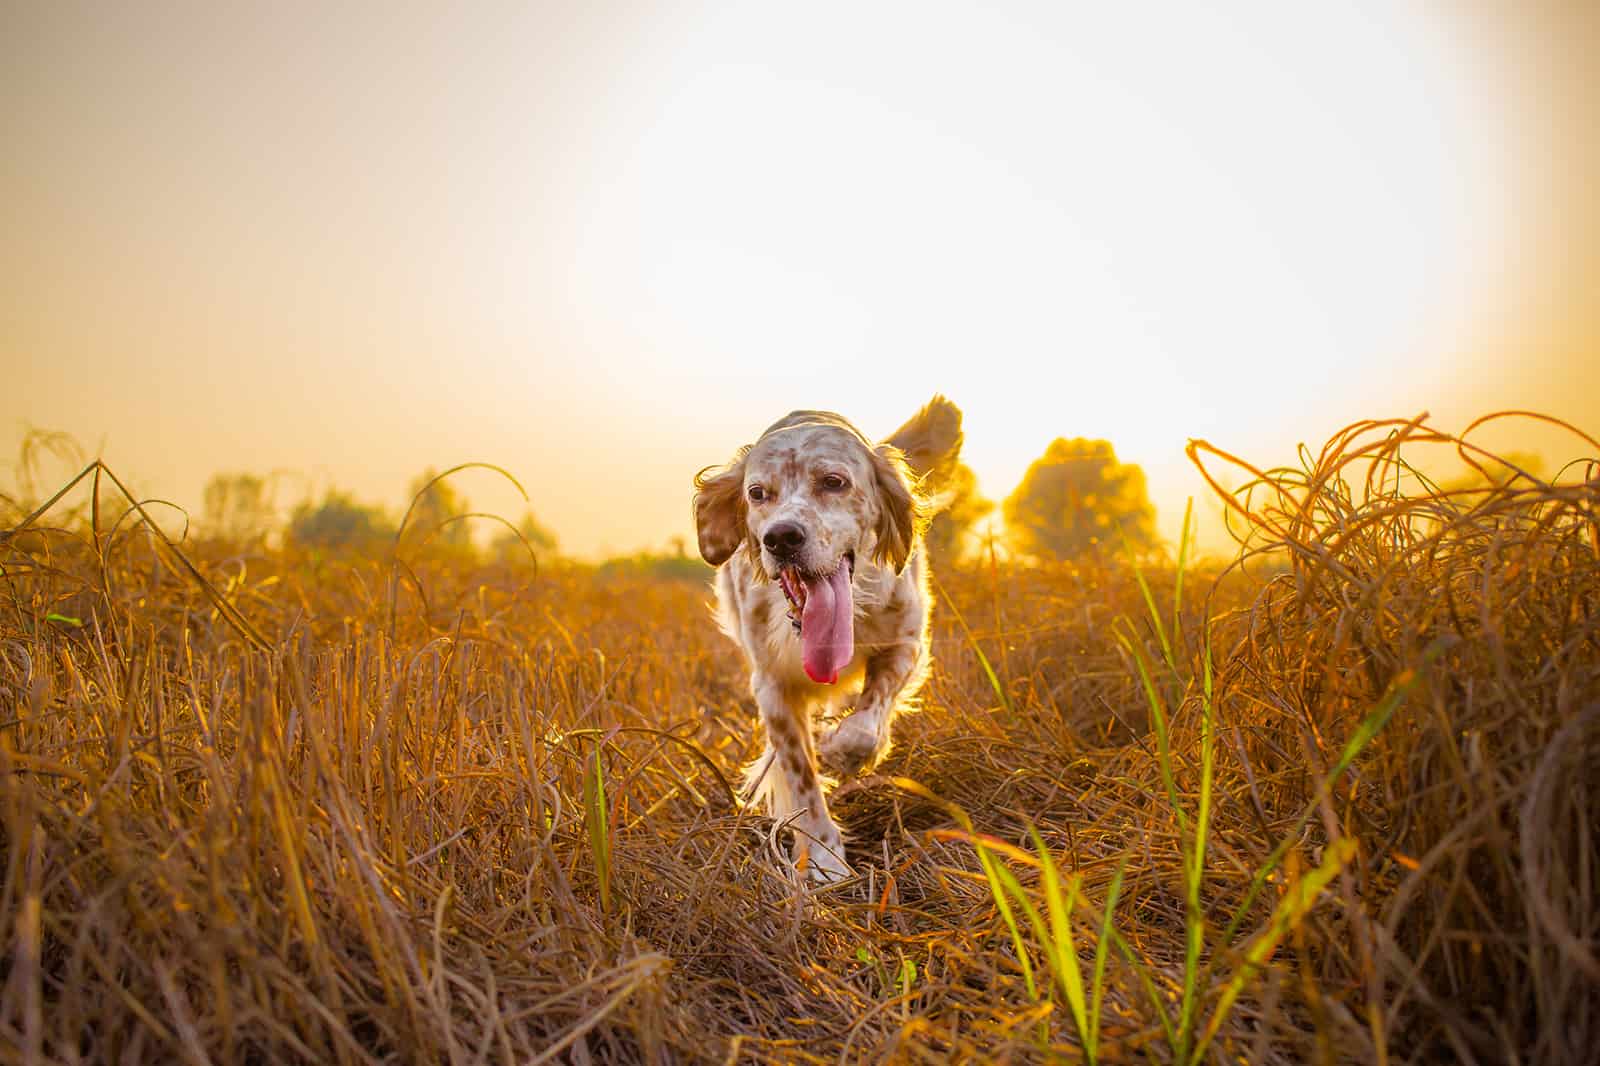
x: 797, y: 788
x: 862, y: 739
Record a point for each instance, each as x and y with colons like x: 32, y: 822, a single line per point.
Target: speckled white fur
x: 878, y: 521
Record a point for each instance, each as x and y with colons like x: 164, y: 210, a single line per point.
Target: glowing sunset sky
x: 603, y: 245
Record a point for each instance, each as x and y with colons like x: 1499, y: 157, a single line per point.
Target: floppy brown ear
x: 931, y: 442
x: 719, y: 510
x: 902, y: 512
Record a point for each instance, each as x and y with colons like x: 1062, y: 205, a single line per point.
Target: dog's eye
x: 834, y: 482
x: 756, y: 493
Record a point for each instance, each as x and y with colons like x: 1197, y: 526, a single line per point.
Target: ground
x: 288, y: 807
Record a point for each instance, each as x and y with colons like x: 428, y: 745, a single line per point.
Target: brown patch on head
x: 760, y: 612
x: 719, y: 509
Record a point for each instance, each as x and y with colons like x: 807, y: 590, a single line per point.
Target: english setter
x: 823, y: 584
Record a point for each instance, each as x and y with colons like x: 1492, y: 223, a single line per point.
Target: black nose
x: 783, y: 539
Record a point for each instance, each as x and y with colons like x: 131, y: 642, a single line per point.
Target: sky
x: 602, y: 245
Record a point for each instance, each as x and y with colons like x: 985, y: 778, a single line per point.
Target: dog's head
x: 812, y: 496
x: 809, y: 496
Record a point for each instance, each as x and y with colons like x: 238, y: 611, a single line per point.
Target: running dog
x: 823, y: 583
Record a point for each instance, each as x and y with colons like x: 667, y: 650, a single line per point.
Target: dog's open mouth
x: 796, y: 583
x: 822, y: 608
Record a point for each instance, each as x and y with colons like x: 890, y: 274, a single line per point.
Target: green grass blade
x: 997, y: 876
x: 906, y: 978
x: 983, y: 660
x: 1015, y: 889
x: 1185, y: 533
x: 1194, y: 916
x: 1107, y: 931
x: 1208, y: 753
x: 597, y: 822
x: 1150, y: 605
x: 1153, y: 994
x: 1371, y: 725
x: 1296, y: 902
x: 1000, y: 879
x: 1059, y: 945
x: 1158, y: 721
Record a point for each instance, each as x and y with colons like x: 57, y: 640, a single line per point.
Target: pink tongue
x: 827, y: 629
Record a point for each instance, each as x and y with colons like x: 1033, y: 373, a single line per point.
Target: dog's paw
x: 853, y: 747
x: 824, y: 864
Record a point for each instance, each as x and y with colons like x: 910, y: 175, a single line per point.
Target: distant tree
x: 238, y: 507
x: 508, y: 548
x: 338, y: 522
x: 433, y: 507
x: 675, y: 566
x: 966, y: 507
x: 1074, y: 498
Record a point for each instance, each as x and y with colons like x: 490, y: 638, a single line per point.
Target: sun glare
x: 1082, y: 220
x: 536, y: 236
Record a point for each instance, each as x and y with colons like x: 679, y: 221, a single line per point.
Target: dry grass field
x: 1340, y: 802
